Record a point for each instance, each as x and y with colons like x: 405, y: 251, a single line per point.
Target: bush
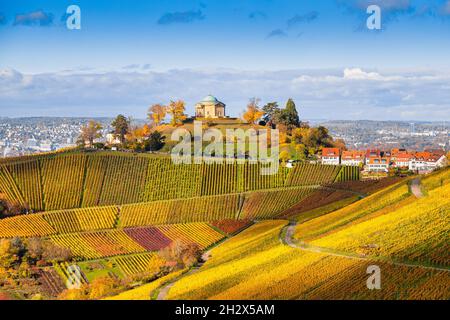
x: 182, y: 254
x: 46, y: 251
x: 155, y: 142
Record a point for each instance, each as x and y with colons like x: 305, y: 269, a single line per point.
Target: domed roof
x: 210, y: 98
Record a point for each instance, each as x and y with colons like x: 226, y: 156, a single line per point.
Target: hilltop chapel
x: 210, y: 107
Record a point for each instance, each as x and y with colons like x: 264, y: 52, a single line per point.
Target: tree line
x: 299, y: 140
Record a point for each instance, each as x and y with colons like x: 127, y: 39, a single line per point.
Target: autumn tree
x: 104, y: 286
x: 135, y: 134
x: 183, y: 254
x: 11, y: 252
x: 81, y: 293
x: 90, y: 132
x: 176, y: 110
x: 39, y: 249
x: 10, y: 207
x: 121, y: 126
x: 253, y: 113
x: 157, y: 113
x: 284, y: 156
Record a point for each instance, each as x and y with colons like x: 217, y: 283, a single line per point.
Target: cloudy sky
x: 130, y: 54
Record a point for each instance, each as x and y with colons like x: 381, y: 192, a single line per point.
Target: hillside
x: 407, y: 237
x: 118, y: 214
x: 74, y: 180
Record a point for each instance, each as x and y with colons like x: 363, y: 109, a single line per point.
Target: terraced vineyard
x: 417, y: 232
x: 116, y: 211
x: 136, y: 264
x: 333, y: 221
x: 74, y: 180
x: 32, y: 225
x: 181, y: 210
x: 231, y: 226
x: 255, y: 265
x: 95, y: 245
x: 268, y: 204
x: 86, y: 219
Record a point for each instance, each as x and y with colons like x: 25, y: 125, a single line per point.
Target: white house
x: 111, y: 138
x: 426, y: 162
x: 331, y: 156
x: 352, y: 158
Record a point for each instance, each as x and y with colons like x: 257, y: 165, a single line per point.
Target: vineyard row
x: 242, y: 206
x: 81, y: 180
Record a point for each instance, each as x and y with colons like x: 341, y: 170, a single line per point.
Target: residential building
x: 331, y: 156
x: 372, y: 153
x: 353, y: 158
x: 378, y: 164
x: 425, y: 162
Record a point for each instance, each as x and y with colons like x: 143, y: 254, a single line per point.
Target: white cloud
x: 359, y: 74
x: 335, y: 94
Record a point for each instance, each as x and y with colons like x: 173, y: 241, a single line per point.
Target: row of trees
x: 176, y: 110
x: 272, y: 115
x: 303, y: 141
x: 138, y: 138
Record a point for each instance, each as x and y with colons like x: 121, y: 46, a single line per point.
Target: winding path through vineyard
x: 164, y: 290
x: 289, y: 230
x: 286, y: 237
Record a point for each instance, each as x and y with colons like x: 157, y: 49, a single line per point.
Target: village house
x: 352, y: 158
x: 331, y: 156
x: 425, y: 162
x: 377, y: 161
x: 372, y: 153
x: 112, y: 138
x: 401, y: 158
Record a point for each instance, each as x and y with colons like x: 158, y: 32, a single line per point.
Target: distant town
x: 390, y: 134
x: 375, y: 160
x: 22, y: 136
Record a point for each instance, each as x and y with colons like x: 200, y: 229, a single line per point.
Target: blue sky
x: 129, y: 54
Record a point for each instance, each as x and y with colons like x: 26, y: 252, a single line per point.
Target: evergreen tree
x: 270, y: 112
x: 291, y: 115
x: 121, y: 126
x: 155, y: 141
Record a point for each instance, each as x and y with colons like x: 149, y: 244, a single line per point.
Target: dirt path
x: 416, y: 189
x: 164, y: 290
x: 288, y: 240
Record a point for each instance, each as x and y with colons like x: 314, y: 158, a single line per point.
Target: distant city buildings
x: 22, y: 136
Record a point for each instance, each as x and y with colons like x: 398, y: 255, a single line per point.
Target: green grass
x: 100, y: 268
